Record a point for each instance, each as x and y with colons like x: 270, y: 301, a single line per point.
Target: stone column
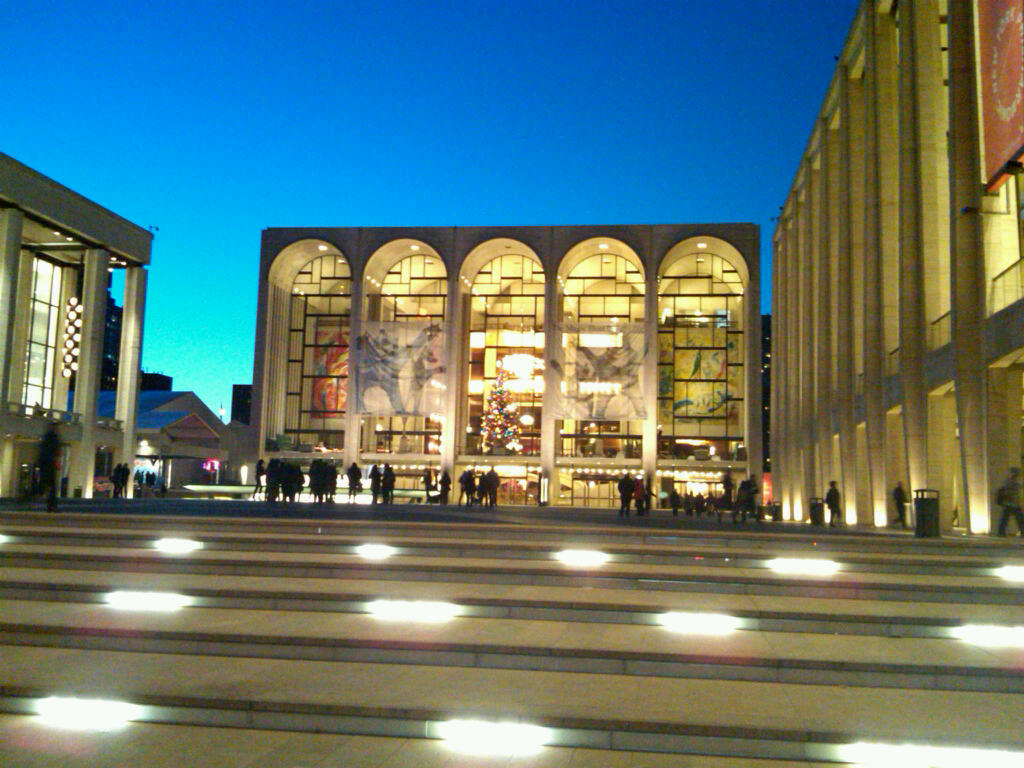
x: 874, y: 317
x: 352, y: 415
x: 650, y: 380
x: 793, y: 363
x: 779, y: 404
x: 11, y: 220
x: 967, y: 273
x: 915, y: 16
x: 845, y: 385
x: 87, y: 381
x: 808, y: 352
x: 453, y: 326
x: 825, y: 352
x: 550, y: 438
x: 126, y: 408
x: 1004, y: 408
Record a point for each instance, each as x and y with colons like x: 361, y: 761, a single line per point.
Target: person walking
x: 49, y: 464
x: 832, y: 502
x: 445, y: 487
x: 899, y: 498
x: 625, y: 494
x: 1008, y: 497
x: 355, y: 480
x: 260, y: 473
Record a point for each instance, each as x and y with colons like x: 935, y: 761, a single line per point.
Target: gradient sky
x: 213, y: 121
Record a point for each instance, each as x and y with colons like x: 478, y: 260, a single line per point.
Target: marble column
x: 455, y: 323
x: 87, y: 380
x: 824, y: 311
x: 650, y: 376
x: 126, y: 407
x: 11, y: 220
x: 967, y: 273
x: 352, y: 415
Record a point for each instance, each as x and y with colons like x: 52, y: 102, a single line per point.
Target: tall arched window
x: 401, y: 354
x: 700, y: 356
x: 318, y: 348
x: 506, y: 321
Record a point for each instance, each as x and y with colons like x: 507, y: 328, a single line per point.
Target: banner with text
x: 1001, y: 65
x: 601, y: 371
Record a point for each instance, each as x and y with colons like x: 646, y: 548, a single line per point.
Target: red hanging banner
x: 1001, y: 66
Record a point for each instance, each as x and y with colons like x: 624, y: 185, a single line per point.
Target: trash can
x: 817, y: 511
x: 776, y: 513
x: 926, y: 513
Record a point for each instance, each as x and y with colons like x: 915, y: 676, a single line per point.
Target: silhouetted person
x: 625, y: 494
x: 899, y: 498
x: 640, y: 497
x: 467, y: 486
x: 261, y: 473
x: 674, y: 501
x: 355, y: 480
x: 832, y: 502
x: 492, y: 481
x: 387, y: 484
x: 375, y: 482
x: 445, y: 487
x: 49, y: 456
x: 1008, y: 496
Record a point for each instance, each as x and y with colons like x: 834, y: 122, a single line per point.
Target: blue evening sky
x: 214, y: 120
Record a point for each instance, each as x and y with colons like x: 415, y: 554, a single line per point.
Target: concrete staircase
x: 277, y: 649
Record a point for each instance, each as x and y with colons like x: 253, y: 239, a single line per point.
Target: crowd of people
x: 482, y: 490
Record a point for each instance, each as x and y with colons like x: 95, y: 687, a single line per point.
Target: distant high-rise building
x: 241, y: 403
x: 156, y: 382
x: 766, y: 388
x: 111, y: 344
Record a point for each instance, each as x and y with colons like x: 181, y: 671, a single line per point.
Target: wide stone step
x: 514, y: 644
x: 736, y: 719
x: 27, y: 743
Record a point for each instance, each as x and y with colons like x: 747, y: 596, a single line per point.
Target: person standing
x: 625, y: 494
x: 640, y: 497
x: 375, y: 483
x: 832, y: 502
x: 428, y: 484
x: 899, y: 498
x: 493, y: 481
x: 355, y: 480
x: 387, y: 484
x: 1008, y: 496
x: 674, y: 501
x: 261, y: 471
x: 445, y: 486
x: 49, y: 463
x: 467, y: 484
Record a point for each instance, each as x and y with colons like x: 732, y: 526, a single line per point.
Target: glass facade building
x: 621, y: 349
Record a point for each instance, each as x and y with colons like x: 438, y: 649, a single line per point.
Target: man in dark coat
x: 832, y: 502
x: 493, y: 481
x: 375, y: 482
x: 444, y: 485
x: 625, y: 494
x: 49, y: 455
x: 387, y: 484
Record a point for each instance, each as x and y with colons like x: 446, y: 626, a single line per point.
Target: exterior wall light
x: 481, y: 737
x: 375, y: 551
x: 148, y: 601
x: 990, y: 636
x: 582, y: 558
x: 424, y: 611
x: 699, y: 623
x: 177, y: 546
x: 803, y: 566
x: 87, y: 714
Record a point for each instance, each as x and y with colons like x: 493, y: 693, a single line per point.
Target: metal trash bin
x: 926, y: 513
x: 817, y: 511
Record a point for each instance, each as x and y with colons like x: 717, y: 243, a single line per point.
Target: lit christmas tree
x: 499, y: 426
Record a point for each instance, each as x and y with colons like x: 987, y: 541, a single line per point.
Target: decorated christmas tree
x: 499, y: 427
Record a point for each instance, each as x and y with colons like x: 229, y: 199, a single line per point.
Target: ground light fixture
x: 124, y: 600
x: 483, y: 737
x: 375, y: 551
x: 699, y: 623
x: 4, y: 539
x: 87, y: 714
x: 582, y: 558
x: 990, y: 636
x: 870, y: 755
x: 177, y: 546
x: 1011, y: 572
x: 804, y: 566
x: 423, y: 611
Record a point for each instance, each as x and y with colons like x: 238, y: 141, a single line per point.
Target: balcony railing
x: 38, y: 412
x: 1007, y: 287
x: 940, y: 332
x: 104, y: 422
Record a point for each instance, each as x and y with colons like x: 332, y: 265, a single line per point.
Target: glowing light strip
x: 803, y: 566
x: 375, y: 551
x: 481, y: 737
x: 177, y: 546
x: 582, y: 557
x: 699, y: 623
x: 921, y: 756
x: 990, y: 635
x: 87, y: 714
x: 427, y: 611
x: 1011, y: 572
x: 125, y: 600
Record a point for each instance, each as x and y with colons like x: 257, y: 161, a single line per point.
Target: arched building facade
x: 620, y: 348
